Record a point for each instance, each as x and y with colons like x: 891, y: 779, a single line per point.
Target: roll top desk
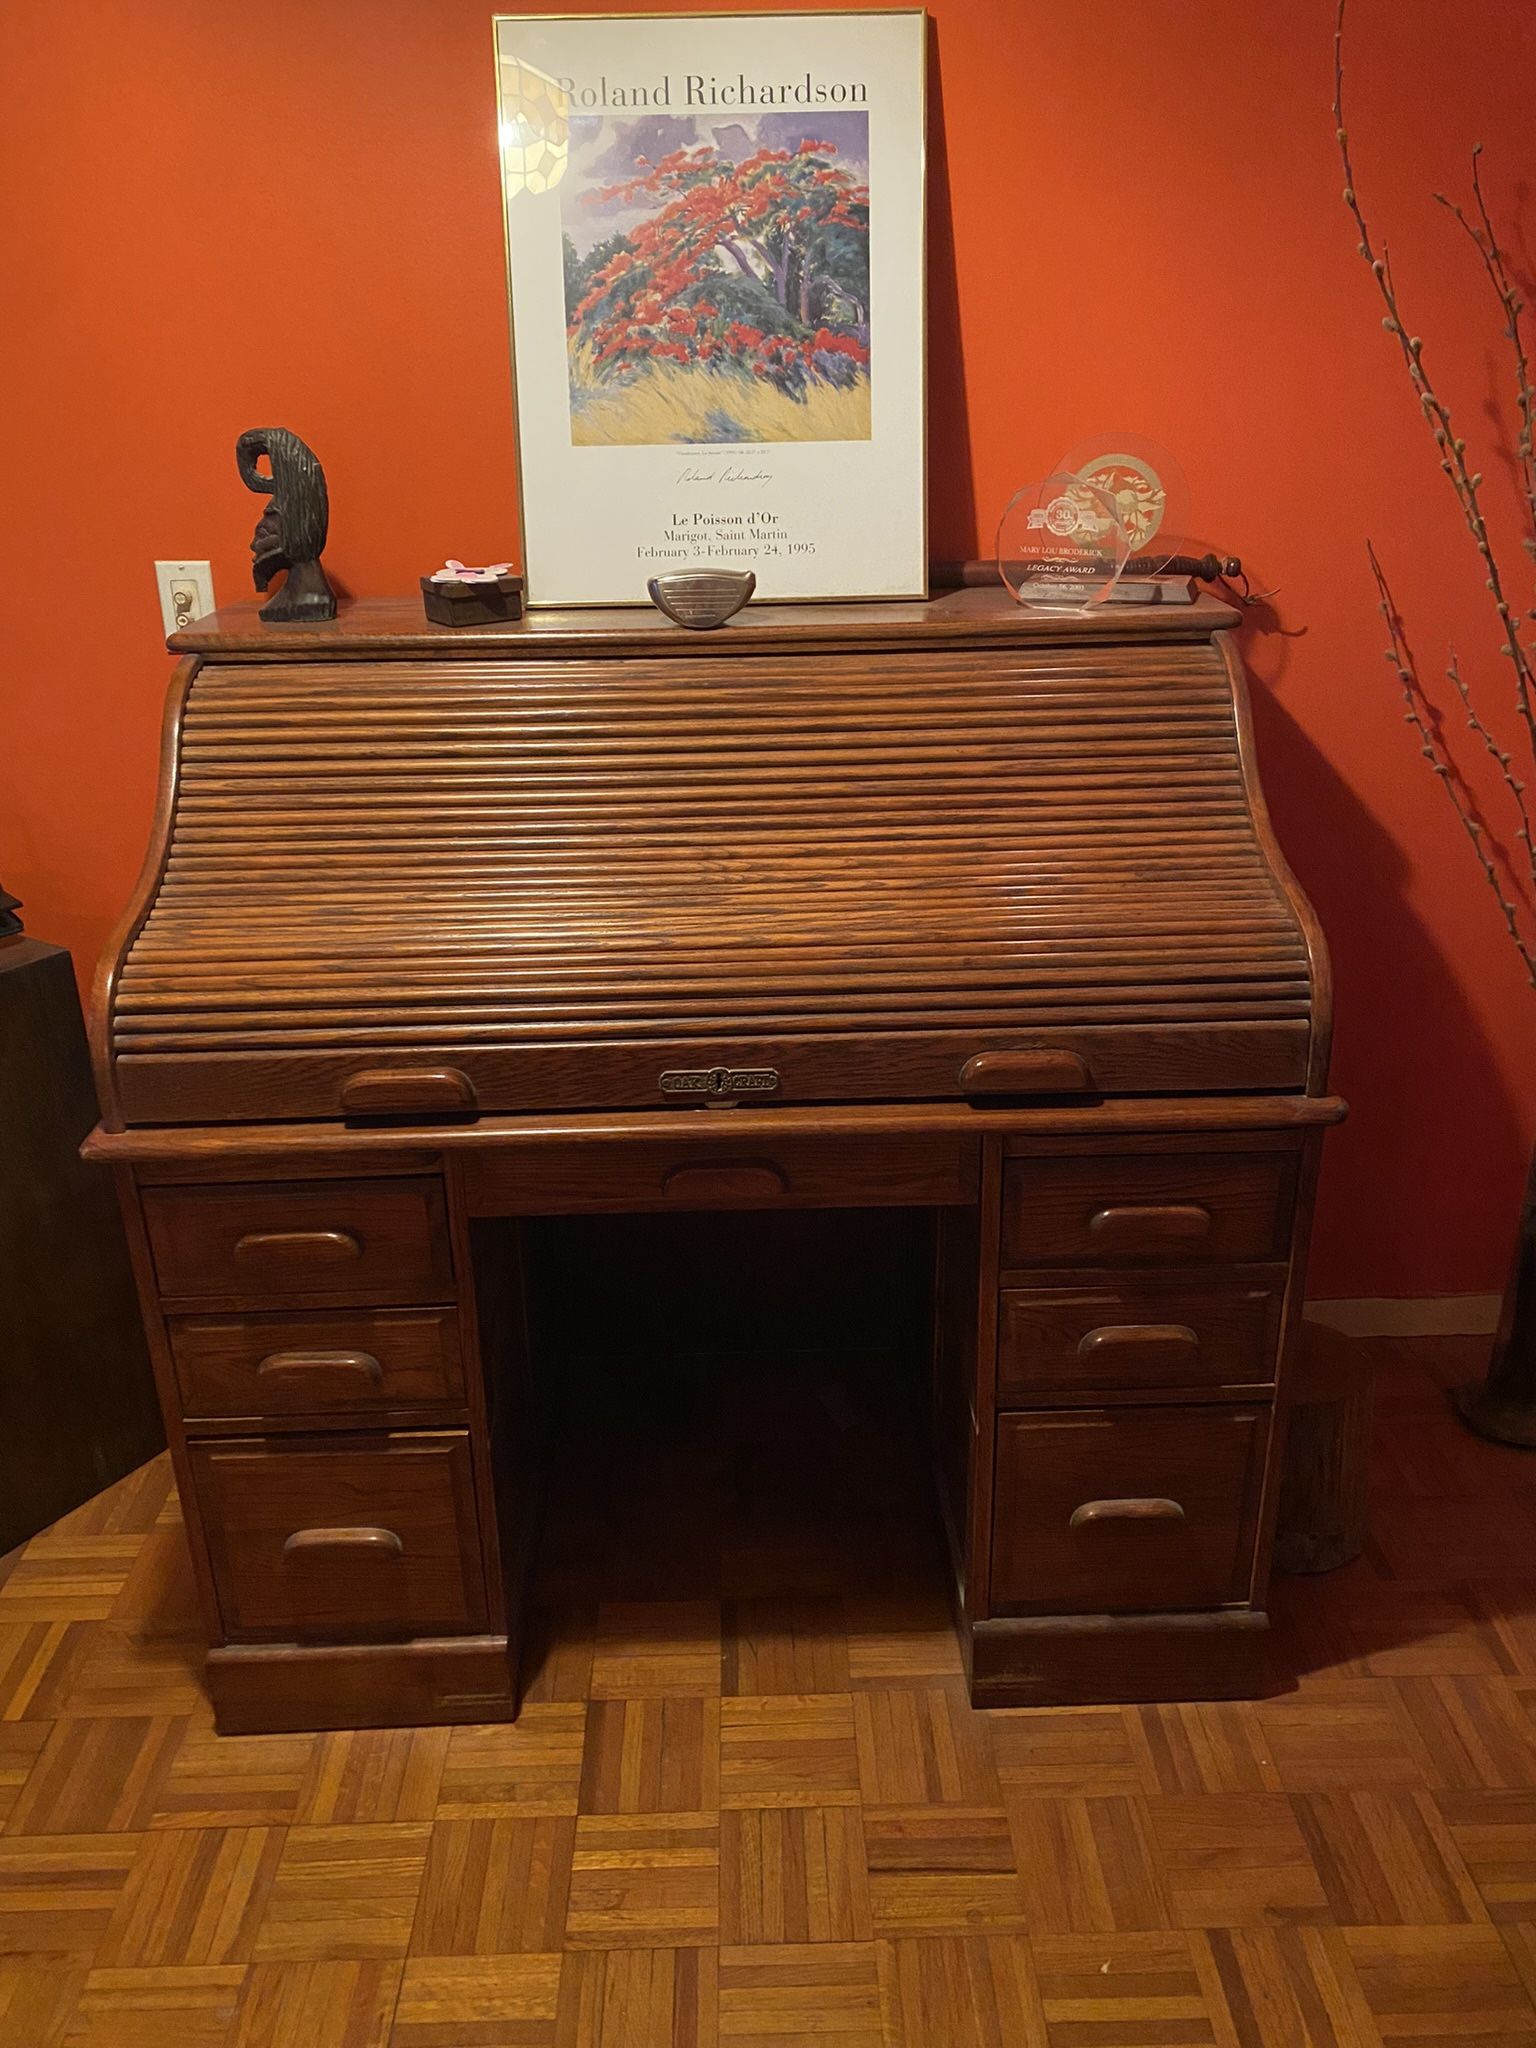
x: 944, y: 905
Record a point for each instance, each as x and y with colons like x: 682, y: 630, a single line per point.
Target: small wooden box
x: 473, y: 604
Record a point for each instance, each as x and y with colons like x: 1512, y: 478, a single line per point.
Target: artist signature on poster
x: 728, y: 475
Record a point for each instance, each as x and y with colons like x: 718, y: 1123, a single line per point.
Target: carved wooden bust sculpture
x: 290, y: 534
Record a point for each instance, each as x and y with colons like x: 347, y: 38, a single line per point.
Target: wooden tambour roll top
x: 911, y: 851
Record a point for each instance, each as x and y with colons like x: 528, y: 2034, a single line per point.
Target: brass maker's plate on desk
x: 719, y: 1083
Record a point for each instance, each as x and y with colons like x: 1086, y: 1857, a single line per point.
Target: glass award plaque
x: 1150, y: 494
x: 1061, y: 544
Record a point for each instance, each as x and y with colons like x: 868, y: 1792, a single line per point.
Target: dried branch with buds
x: 1516, y: 905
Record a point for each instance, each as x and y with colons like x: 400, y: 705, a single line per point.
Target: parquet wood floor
x: 747, y: 1803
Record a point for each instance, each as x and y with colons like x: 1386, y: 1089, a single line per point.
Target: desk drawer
x: 326, y: 1362
x: 342, y: 1538
x: 1145, y: 1208
x: 725, y: 1172
x: 1132, y: 1510
x: 381, y: 1242
x: 1140, y: 1332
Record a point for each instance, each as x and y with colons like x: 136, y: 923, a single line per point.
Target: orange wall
x: 225, y: 216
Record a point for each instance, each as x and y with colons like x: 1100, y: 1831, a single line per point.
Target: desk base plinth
x: 1075, y: 1660
x: 280, y: 1688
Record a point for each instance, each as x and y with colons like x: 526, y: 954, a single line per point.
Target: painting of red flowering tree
x: 730, y: 301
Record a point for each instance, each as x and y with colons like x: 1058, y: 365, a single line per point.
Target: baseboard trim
x: 1427, y: 1315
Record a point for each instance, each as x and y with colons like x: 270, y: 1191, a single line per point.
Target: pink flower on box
x: 460, y: 572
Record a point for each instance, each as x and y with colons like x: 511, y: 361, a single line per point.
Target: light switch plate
x: 186, y: 592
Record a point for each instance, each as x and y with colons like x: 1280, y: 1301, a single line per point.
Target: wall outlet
x: 186, y: 592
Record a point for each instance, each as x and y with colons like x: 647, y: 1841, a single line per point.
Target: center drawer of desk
x: 724, y: 1171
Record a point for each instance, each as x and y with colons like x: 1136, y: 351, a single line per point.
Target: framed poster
x: 715, y: 259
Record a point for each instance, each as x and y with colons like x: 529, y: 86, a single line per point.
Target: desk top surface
x: 380, y: 627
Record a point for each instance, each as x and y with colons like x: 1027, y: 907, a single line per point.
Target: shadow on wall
x: 1384, y: 1164
x: 951, y: 484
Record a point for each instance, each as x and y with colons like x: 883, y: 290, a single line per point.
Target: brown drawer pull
x: 323, y: 1361
x: 369, y: 1542
x: 314, y: 1247
x: 1109, y: 1338
x: 379, y: 1090
x: 720, y: 1182
x: 1165, y: 1221
x: 1025, y: 1073
x: 1155, y: 1509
